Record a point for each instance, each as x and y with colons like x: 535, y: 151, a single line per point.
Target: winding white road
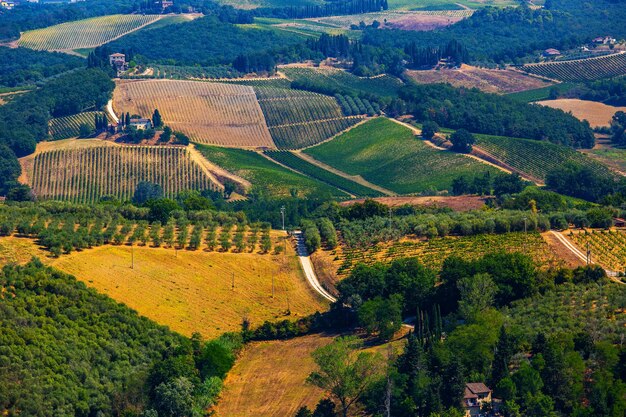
x: 307, y: 267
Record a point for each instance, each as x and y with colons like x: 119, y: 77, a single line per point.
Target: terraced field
x: 84, y: 174
x: 267, y: 177
x: 389, y: 155
x: 86, y: 33
x: 297, y: 119
x: 293, y: 161
x: 69, y: 127
x: 385, y: 85
x: 432, y: 252
x: 532, y: 157
x: 209, y: 113
x: 581, y: 70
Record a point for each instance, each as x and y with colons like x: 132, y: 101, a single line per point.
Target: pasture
x: 487, y: 80
x: 596, y: 113
x: 297, y: 118
x: 582, y: 69
x: 391, y: 156
x: 87, y: 33
x: 209, y: 113
x: 267, y: 177
x: 192, y: 291
x: 93, y: 168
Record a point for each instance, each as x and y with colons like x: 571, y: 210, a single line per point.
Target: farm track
x: 307, y: 267
x: 216, y: 171
x: 355, y: 178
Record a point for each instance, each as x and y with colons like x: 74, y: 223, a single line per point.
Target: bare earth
x: 456, y: 203
x: 597, y: 114
x: 488, y: 80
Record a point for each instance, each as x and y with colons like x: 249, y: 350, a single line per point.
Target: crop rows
x: 608, y: 247
x: 210, y: 113
x: 297, y: 119
x: 581, y: 70
x: 390, y: 16
x: 534, y: 158
x: 84, y: 33
x: 384, y: 85
x: 289, y: 159
x: 69, y: 127
x: 84, y: 175
x: 432, y: 252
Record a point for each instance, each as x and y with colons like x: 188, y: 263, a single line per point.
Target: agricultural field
x: 304, y: 27
x: 209, y: 113
x: 297, y: 118
x: 86, y: 33
x: 581, y: 70
x: 389, y: 155
x: 531, y: 157
x: 69, y: 127
x: 432, y: 252
x: 447, y: 4
x: 396, y: 19
x: 293, y: 161
x: 86, y: 173
x: 383, y: 85
x: 266, y: 176
x: 539, y: 94
x: 253, y: 4
x: 192, y: 291
x: 487, y: 80
x: 608, y: 247
x: 269, y: 378
x: 596, y: 309
x: 596, y: 113
x: 615, y: 158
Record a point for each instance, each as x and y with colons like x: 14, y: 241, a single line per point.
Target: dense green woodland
x: 21, y: 66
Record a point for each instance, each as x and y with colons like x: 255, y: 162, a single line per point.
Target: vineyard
x: 432, y: 252
x: 209, y: 113
x: 84, y: 33
x: 581, y: 70
x: 608, y: 247
x: 84, y: 175
x: 69, y: 127
x: 387, y: 154
x: 291, y: 160
x: 297, y: 119
x: 335, y: 79
x: 267, y: 177
x: 535, y: 158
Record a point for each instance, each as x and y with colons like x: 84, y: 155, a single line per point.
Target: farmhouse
x: 164, y: 4
x: 141, y: 124
x: 118, y: 61
x: 551, y: 52
x: 604, y: 40
x: 476, y: 394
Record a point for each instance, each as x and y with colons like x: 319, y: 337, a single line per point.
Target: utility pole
x: 282, y: 212
x: 132, y: 256
x: 233, y: 282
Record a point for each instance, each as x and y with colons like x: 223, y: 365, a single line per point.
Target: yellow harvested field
x: 597, y: 114
x: 19, y: 250
x: 488, y: 80
x: 269, y: 379
x: 191, y: 291
x: 210, y: 113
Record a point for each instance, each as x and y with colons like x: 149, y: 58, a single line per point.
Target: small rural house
x: 604, y: 40
x: 476, y: 394
x: 551, y: 52
x: 118, y: 61
x: 141, y: 124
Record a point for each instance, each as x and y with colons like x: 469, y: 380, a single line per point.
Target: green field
x: 612, y: 157
x: 268, y: 177
x: 297, y: 118
x: 389, y: 155
x: 344, y: 82
x: 539, y: 94
x: 299, y: 164
x: 69, y: 127
x: 84, y: 33
x: 532, y: 157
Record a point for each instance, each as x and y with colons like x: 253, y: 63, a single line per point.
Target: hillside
x: 389, y: 155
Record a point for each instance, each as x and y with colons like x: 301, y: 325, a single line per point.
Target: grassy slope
x: 191, y: 291
x: 271, y: 178
x: 388, y: 155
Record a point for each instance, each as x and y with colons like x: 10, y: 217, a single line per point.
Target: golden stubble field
x: 209, y: 113
x: 597, y: 114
